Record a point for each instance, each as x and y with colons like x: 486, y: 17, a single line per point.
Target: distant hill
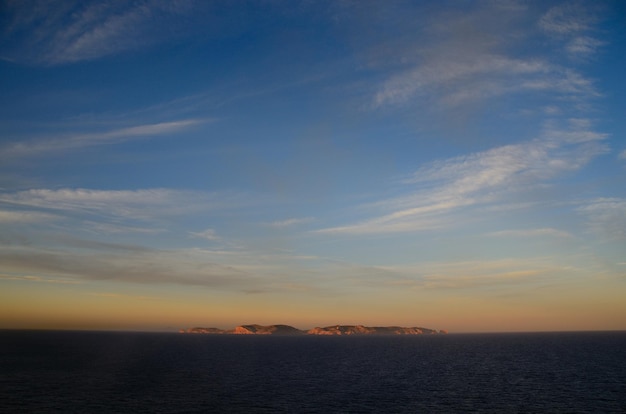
x: 328, y: 330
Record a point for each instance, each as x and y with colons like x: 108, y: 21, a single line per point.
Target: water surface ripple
x: 100, y: 372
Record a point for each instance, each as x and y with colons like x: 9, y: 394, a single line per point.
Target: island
x: 333, y: 330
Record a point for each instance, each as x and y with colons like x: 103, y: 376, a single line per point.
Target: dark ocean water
x: 100, y: 372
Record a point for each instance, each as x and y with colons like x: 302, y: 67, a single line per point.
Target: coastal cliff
x: 267, y: 330
x: 370, y: 330
x: 326, y: 331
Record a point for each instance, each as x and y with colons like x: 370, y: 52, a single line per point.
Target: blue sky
x: 455, y: 165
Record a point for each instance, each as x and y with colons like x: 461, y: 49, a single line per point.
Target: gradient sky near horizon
x: 456, y: 165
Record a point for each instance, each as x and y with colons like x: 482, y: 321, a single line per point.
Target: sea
x: 121, y: 372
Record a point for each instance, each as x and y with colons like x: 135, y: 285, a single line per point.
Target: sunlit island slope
x: 328, y: 330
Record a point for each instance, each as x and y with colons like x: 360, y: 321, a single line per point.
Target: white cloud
x: 387, y: 224
x: 208, y: 234
x: 143, y: 204
x: 456, y: 79
x: 75, y: 141
x: 72, y: 31
x: 451, y: 82
x: 123, y: 296
x: 566, y: 19
x: 8, y: 216
x: 504, y: 276
x: 243, y: 271
x: 531, y: 233
x: 578, y: 131
x: 484, y: 178
x: 582, y: 46
x: 290, y: 222
x: 452, y: 62
x: 112, y: 228
x: 176, y: 267
x: 571, y: 23
x: 460, y: 275
x: 622, y: 155
x: 29, y: 278
x: 606, y: 217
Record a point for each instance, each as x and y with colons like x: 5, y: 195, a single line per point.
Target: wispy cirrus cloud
x: 550, y: 232
x: 606, y: 217
x: 73, y: 141
x: 240, y: 270
x: 477, y: 274
x: 485, y: 178
x: 583, y: 46
x: 115, y: 205
x: 453, y: 275
x: 459, y: 65
x: 111, y: 295
x: 39, y: 279
x: 456, y: 63
x: 290, y: 222
x: 175, y: 267
x: 208, y: 234
x: 451, y: 81
x: 119, y: 228
x: 567, y: 18
x: 573, y: 23
x: 72, y: 31
x: 10, y: 216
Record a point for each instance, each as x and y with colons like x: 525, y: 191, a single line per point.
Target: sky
x: 456, y: 165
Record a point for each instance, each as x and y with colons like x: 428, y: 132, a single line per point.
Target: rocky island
x: 328, y: 330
